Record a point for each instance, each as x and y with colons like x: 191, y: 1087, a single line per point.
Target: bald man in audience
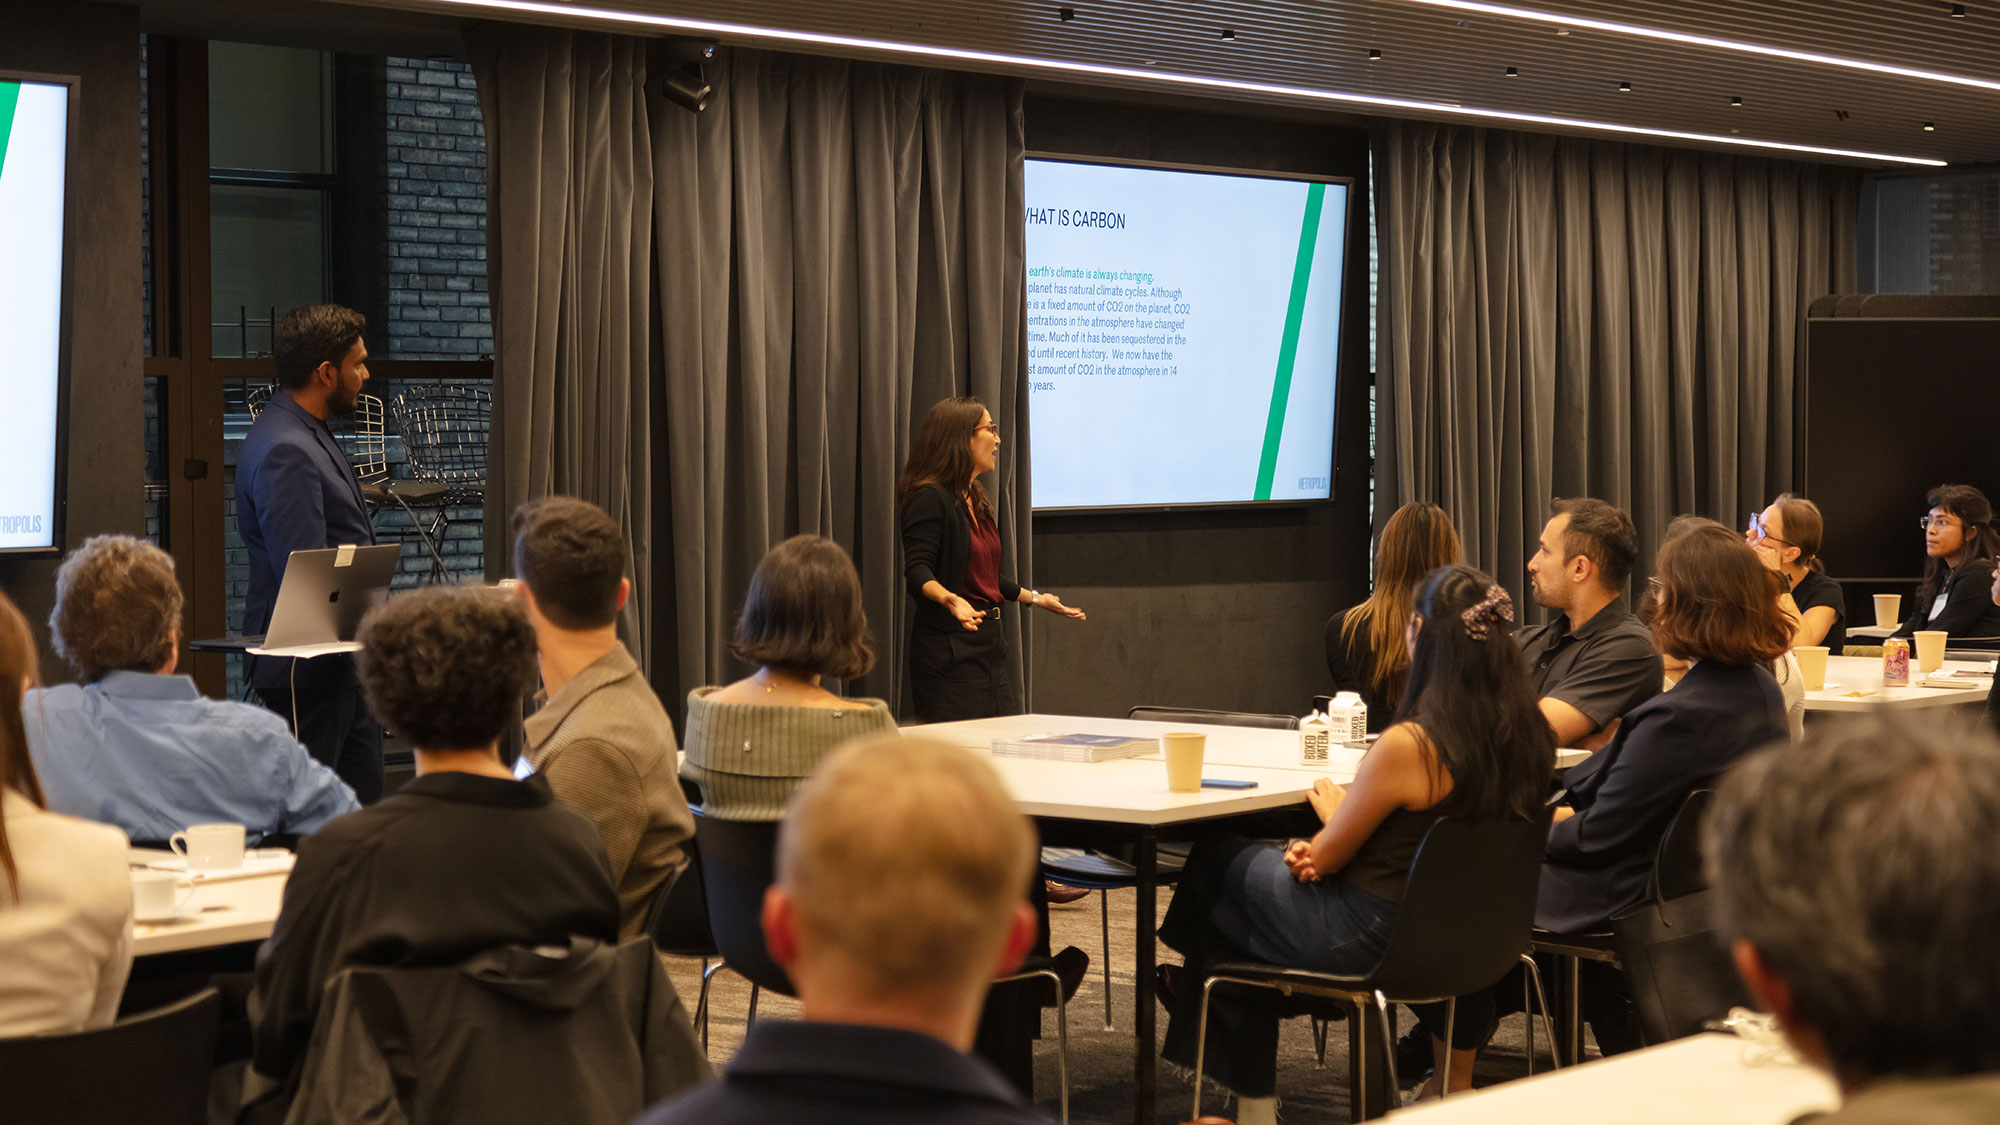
x: 1859, y: 887
x: 1595, y: 661
x: 891, y: 974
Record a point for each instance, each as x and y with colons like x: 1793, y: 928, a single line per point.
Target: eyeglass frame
x: 1757, y: 525
x: 1946, y: 520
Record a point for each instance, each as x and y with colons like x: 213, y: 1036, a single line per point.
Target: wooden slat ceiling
x: 1446, y: 55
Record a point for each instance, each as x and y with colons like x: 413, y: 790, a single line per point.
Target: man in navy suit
x: 296, y: 491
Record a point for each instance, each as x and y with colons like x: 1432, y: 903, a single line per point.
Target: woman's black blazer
x: 937, y: 544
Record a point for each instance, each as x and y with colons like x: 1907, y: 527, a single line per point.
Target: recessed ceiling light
x: 1624, y: 87
x: 1065, y: 14
x: 1929, y: 128
x: 1562, y: 31
x: 1701, y: 40
x: 1958, y: 11
x: 1513, y: 72
x: 1229, y: 33
x: 1374, y: 55
x: 737, y: 31
x: 1736, y: 102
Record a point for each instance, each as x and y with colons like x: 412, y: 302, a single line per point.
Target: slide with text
x: 1183, y: 333
x: 34, y: 134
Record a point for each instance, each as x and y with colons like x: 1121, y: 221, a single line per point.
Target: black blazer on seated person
x: 1599, y: 861
x: 937, y: 543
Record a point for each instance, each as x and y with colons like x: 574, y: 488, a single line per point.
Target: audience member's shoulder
x: 88, y: 853
x: 52, y: 697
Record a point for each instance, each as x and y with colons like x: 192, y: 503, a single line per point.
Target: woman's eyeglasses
x: 1939, y: 522
x: 1757, y: 528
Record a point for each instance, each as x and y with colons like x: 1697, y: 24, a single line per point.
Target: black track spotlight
x: 1374, y: 54
x: 686, y: 87
x: 1624, y: 87
x: 1736, y: 101
x: 1958, y: 11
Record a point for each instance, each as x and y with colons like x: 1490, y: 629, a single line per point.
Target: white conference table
x: 1129, y: 798
x: 1715, y: 1078
x: 218, y: 911
x: 1854, y: 683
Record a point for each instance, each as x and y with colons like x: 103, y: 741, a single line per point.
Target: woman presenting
x: 951, y: 562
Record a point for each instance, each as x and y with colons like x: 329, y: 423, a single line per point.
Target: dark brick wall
x: 435, y: 242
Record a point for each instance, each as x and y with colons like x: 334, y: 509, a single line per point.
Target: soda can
x: 1895, y: 662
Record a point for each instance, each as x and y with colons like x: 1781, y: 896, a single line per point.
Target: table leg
x: 1144, y: 856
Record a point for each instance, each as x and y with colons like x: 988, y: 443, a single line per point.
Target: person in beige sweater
x: 601, y: 738
x: 751, y: 743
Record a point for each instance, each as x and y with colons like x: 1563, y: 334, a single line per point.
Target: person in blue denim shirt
x: 137, y: 746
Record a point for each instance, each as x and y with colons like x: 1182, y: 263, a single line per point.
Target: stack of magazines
x: 1057, y: 747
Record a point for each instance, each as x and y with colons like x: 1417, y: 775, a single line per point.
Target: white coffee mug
x: 157, y: 896
x: 209, y: 847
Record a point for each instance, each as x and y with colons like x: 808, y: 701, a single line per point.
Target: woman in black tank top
x: 1469, y: 743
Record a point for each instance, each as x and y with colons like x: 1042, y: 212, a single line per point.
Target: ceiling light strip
x: 567, y: 11
x: 1709, y: 41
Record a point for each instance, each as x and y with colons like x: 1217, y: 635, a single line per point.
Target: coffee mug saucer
x: 174, y: 919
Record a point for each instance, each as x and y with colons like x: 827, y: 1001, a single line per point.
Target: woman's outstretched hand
x: 1055, y: 605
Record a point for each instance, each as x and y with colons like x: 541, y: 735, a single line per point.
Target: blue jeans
x: 1238, y: 902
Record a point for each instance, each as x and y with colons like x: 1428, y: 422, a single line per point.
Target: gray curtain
x: 569, y: 235
x: 835, y: 246
x: 840, y: 246
x: 1570, y: 317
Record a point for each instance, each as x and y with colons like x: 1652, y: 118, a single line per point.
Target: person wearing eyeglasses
x: 951, y: 562
x: 1961, y: 545
x: 1786, y: 537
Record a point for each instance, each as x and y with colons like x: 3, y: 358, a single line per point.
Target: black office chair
x: 1706, y: 983
x: 738, y: 860
x: 1464, y: 921
x: 678, y: 924
x: 152, y: 1067
x: 1681, y: 975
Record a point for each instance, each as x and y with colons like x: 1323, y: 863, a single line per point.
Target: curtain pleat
x: 570, y: 177
x: 1569, y: 317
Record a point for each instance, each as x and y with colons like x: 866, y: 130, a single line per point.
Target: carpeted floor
x: 1100, y: 1061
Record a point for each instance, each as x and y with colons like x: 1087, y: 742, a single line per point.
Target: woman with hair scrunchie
x: 1472, y: 744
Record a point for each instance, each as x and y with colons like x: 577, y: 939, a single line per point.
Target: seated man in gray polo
x: 1595, y: 661
x: 1857, y: 883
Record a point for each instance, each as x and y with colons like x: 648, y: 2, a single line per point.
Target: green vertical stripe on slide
x: 1288, y: 348
x: 10, y: 93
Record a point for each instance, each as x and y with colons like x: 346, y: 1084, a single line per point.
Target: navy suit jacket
x: 295, y: 491
x: 1599, y: 861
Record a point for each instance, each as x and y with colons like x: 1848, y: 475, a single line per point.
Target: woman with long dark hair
x: 1471, y: 744
x: 1365, y: 652
x: 1716, y: 609
x: 951, y: 563
x: 65, y: 895
x: 1961, y: 547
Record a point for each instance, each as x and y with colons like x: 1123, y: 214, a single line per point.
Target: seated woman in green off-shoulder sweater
x: 751, y: 743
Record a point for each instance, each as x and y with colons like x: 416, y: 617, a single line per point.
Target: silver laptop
x: 323, y: 597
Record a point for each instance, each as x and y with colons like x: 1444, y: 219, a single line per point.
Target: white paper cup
x: 1812, y: 665
x: 157, y: 896
x: 1888, y: 608
x: 209, y: 847
x: 1183, y: 751
x: 1930, y: 649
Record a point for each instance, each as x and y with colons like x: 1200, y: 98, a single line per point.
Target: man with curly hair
x: 460, y: 860
x: 137, y: 746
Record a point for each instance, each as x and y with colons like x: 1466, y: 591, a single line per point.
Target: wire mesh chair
x: 444, y: 428
x: 362, y: 435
